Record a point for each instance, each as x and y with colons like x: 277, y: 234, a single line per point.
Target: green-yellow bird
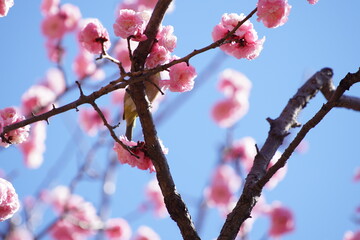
x: 130, y: 113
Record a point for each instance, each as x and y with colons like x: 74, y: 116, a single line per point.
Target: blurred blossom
x: 9, y: 201
x: 146, y: 233
x: 117, y: 229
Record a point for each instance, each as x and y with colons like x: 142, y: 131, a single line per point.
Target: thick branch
x: 175, y: 205
x: 279, y: 129
x: 337, y: 97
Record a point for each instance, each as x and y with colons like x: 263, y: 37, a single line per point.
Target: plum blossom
x: 80, y: 221
x: 49, y: 6
x: 225, y: 182
x: 142, y: 162
x: 352, y: 236
x: 166, y: 37
x: 313, y: 1
x: 153, y: 193
x: 227, y: 112
x: 54, y: 80
x: 53, y: 26
x: 181, y: 78
x: 84, y: 64
x: 273, y: 13
x: 5, y: 5
x: 281, y: 220
x: 242, y: 150
x: 158, y: 55
x: 34, y: 148
x: 71, y: 15
x: 10, y: 116
x: 117, y: 229
x: 37, y: 99
x: 54, y: 51
x: 121, y: 52
x: 244, y: 43
x: 233, y: 83
x: 9, y: 201
x: 131, y: 23
x: 93, y: 35
x: 146, y: 233
x: 90, y: 120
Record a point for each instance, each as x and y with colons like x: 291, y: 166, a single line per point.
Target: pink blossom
x: 244, y: 43
x: 5, y: 5
x: 313, y: 1
x: 121, y: 53
x: 273, y: 13
x: 90, y: 121
x: 146, y: 233
x: 281, y: 220
x: 181, y: 78
x: 166, y: 37
x: 93, y: 35
x: 58, y: 197
x: 53, y: 26
x: 54, y: 51
x: 37, y: 99
x: 225, y: 182
x: 54, y: 80
x: 279, y: 175
x: 49, y: 7
x: 352, y: 236
x: 84, y: 64
x: 71, y: 15
x: 10, y: 116
x: 228, y: 111
x: 9, y: 202
x: 243, y: 150
x: 117, y: 229
x: 34, y: 148
x: 233, y: 83
x: 131, y: 24
x: 153, y: 193
x: 19, y: 233
x: 357, y: 175
x: 80, y: 221
x: 143, y: 162
x: 158, y: 55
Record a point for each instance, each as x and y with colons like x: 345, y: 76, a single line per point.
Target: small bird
x: 152, y: 91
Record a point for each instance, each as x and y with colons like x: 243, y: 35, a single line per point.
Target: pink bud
x: 273, y: 13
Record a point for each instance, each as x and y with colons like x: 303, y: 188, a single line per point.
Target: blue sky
x: 318, y: 186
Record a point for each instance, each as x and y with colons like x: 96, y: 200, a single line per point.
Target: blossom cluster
x: 236, y: 87
x: 79, y: 219
x: 9, y: 202
x: 244, y: 43
x: 10, y: 116
x: 141, y: 160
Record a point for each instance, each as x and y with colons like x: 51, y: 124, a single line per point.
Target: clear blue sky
x: 318, y: 185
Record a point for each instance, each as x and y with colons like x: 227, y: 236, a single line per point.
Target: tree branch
x: 337, y: 97
x: 279, y: 129
x: 175, y: 205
